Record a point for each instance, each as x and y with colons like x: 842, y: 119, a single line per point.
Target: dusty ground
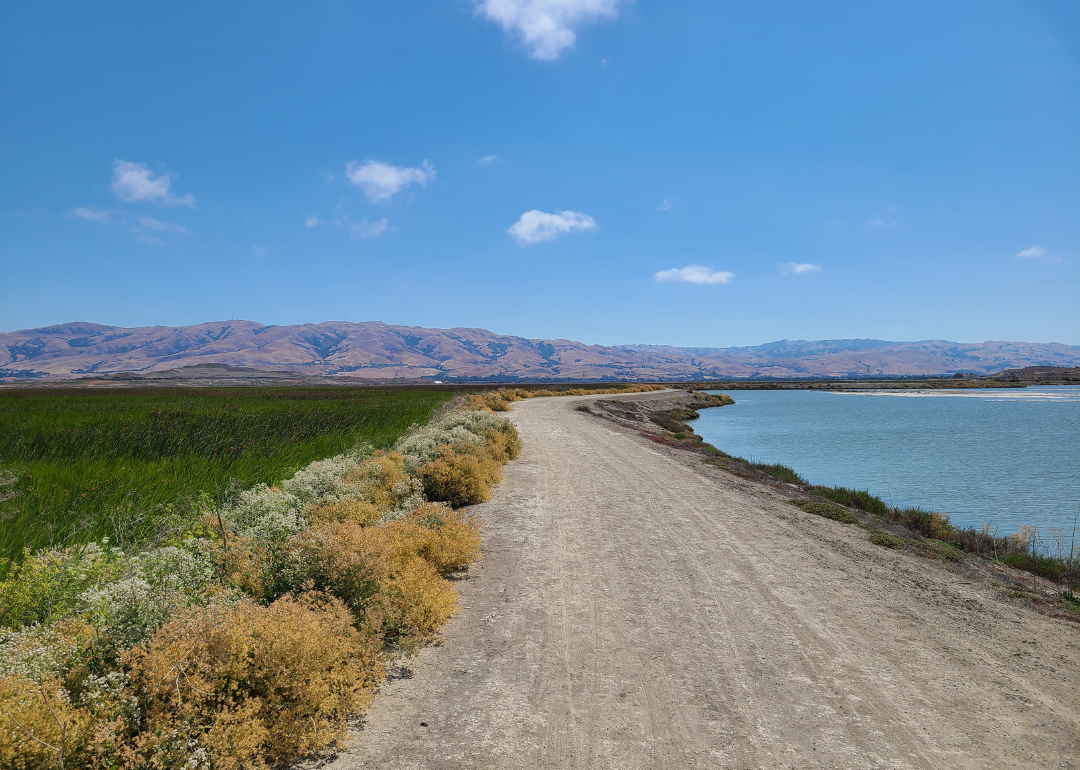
x: 636, y: 608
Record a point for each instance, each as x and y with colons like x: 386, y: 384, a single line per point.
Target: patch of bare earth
x: 636, y: 607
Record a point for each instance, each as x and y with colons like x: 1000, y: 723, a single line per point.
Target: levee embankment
x: 638, y: 608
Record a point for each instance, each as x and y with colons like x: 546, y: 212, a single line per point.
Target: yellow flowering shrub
x: 50, y: 704
x: 38, y: 724
x: 251, y: 686
x: 359, y: 512
x: 391, y: 577
x: 460, y: 474
x: 447, y: 539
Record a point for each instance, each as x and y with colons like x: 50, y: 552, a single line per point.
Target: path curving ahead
x: 635, y: 608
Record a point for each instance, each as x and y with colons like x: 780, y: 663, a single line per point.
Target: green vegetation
x: 76, y: 466
x: 886, y: 539
x: 252, y: 635
x: 829, y: 511
x: 938, y: 538
x: 860, y: 500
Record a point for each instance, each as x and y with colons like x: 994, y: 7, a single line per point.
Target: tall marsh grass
x: 78, y: 466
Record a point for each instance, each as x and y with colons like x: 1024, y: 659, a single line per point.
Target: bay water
x: 1008, y: 458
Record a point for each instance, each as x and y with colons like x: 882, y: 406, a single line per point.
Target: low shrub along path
x: 635, y: 607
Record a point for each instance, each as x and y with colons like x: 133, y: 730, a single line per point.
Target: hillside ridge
x: 381, y: 351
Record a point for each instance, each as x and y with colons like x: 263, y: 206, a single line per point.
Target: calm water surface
x: 1005, y: 457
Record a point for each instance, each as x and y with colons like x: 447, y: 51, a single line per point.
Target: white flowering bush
x: 46, y: 585
x: 160, y: 581
x: 420, y: 446
x: 39, y: 653
x: 189, y: 569
x: 260, y: 501
x: 322, y: 478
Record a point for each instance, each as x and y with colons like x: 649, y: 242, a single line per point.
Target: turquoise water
x: 1007, y: 458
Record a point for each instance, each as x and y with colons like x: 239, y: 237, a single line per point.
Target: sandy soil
x: 637, y: 608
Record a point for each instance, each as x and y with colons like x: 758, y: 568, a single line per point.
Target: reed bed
x: 78, y: 466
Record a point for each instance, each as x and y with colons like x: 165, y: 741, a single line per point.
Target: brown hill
x: 374, y: 350
x: 1055, y: 374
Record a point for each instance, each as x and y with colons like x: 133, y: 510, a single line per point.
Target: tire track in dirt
x: 636, y: 609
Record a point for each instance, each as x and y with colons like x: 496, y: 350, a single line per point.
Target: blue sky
x: 693, y: 173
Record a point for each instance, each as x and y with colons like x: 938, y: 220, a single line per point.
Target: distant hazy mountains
x: 379, y: 351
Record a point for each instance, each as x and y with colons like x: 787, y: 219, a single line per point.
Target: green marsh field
x: 77, y: 465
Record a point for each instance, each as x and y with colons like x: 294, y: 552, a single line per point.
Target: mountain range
x: 378, y: 351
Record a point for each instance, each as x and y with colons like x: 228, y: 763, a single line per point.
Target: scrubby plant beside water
x: 252, y: 636
x: 1052, y: 557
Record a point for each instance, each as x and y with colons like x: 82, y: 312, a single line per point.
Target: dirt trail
x: 636, y: 608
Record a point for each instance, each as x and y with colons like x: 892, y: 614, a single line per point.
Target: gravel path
x: 636, y: 608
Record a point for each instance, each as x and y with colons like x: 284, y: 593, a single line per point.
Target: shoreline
x: 925, y: 533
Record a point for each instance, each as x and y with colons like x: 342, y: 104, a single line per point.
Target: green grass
x: 780, y: 472
x: 886, y: 539
x: 76, y: 466
x: 852, y: 498
x: 829, y: 511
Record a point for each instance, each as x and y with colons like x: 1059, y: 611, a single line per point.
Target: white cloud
x: 366, y: 229
x: 314, y: 221
x: 155, y: 224
x: 666, y: 205
x: 133, y: 182
x: 546, y: 26
x: 94, y: 214
x: 148, y: 239
x: 882, y: 224
x: 800, y: 268
x: 1033, y: 252
x: 694, y: 274
x: 381, y: 181
x: 539, y: 226
x: 487, y: 160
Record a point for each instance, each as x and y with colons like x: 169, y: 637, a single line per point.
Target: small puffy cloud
x: 134, y: 182
x: 694, y: 274
x: 800, y: 268
x: 366, y: 229
x: 539, y: 226
x: 666, y: 205
x: 884, y: 221
x: 314, y: 221
x: 381, y: 181
x: 93, y: 214
x: 154, y: 224
x: 546, y: 27
x: 1032, y: 253
x: 487, y: 160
